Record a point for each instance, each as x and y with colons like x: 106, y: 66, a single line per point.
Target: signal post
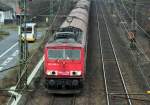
x: 23, y: 47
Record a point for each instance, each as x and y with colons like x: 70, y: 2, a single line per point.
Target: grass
x: 4, y: 28
x: 9, y: 26
x: 2, y: 33
x: 10, y: 78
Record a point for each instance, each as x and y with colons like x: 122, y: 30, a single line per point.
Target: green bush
x: 4, y: 33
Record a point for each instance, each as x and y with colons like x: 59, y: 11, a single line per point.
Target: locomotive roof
x: 75, y: 25
x: 55, y: 44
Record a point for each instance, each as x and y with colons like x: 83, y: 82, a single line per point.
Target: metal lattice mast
x: 133, y: 25
x: 21, y: 51
x: 26, y: 42
x: 23, y: 45
x: 51, y: 10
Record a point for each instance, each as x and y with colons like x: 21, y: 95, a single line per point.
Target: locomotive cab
x: 28, y: 31
x: 64, y: 68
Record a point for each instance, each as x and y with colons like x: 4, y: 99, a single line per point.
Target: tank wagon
x: 65, y: 55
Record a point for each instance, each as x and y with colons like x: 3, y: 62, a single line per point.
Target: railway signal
x: 132, y: 31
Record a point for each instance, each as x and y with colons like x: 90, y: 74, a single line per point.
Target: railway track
x: 62, y: 100
x: 141, y: 71
x: 115, y: 87
x: 138, y: 53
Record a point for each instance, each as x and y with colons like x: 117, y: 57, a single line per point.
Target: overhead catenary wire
x: 148, y: 59
x: 40, y: 14
x: 125, y: 8
x: 29, y: 59
x: 116, y: 58
x: 46, y: 9
x: 126, y: 30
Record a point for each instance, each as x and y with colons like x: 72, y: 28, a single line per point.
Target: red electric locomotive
x: 65, y: 55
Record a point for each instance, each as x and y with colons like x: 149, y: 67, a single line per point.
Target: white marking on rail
x: 8, y: 50
x: 18, y: 96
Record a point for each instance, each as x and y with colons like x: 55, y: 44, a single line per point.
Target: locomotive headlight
x: 75, y: 73
x: 78, y: 73
x: 51, y: 73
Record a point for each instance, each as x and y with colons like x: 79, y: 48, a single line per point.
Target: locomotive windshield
x: 28, y: 29
x: 64, y: 54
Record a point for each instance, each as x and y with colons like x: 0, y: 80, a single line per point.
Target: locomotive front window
x: 28, y: 29
x: 64, y: 54
x: 72, y: 54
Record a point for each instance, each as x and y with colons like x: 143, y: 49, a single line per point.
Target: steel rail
x: 122, y: 78
x: 114, y: 53
x: 126, y: 30
x: 54, y: 99
x: 101, y: 51
x: 74, y: 100
x: 138, y: 51
x: 125, y: 8
x: 53, y: 22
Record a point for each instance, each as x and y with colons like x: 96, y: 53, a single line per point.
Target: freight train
x: 65, y: 55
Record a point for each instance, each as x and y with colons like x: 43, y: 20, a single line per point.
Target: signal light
x: 148, y: 92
